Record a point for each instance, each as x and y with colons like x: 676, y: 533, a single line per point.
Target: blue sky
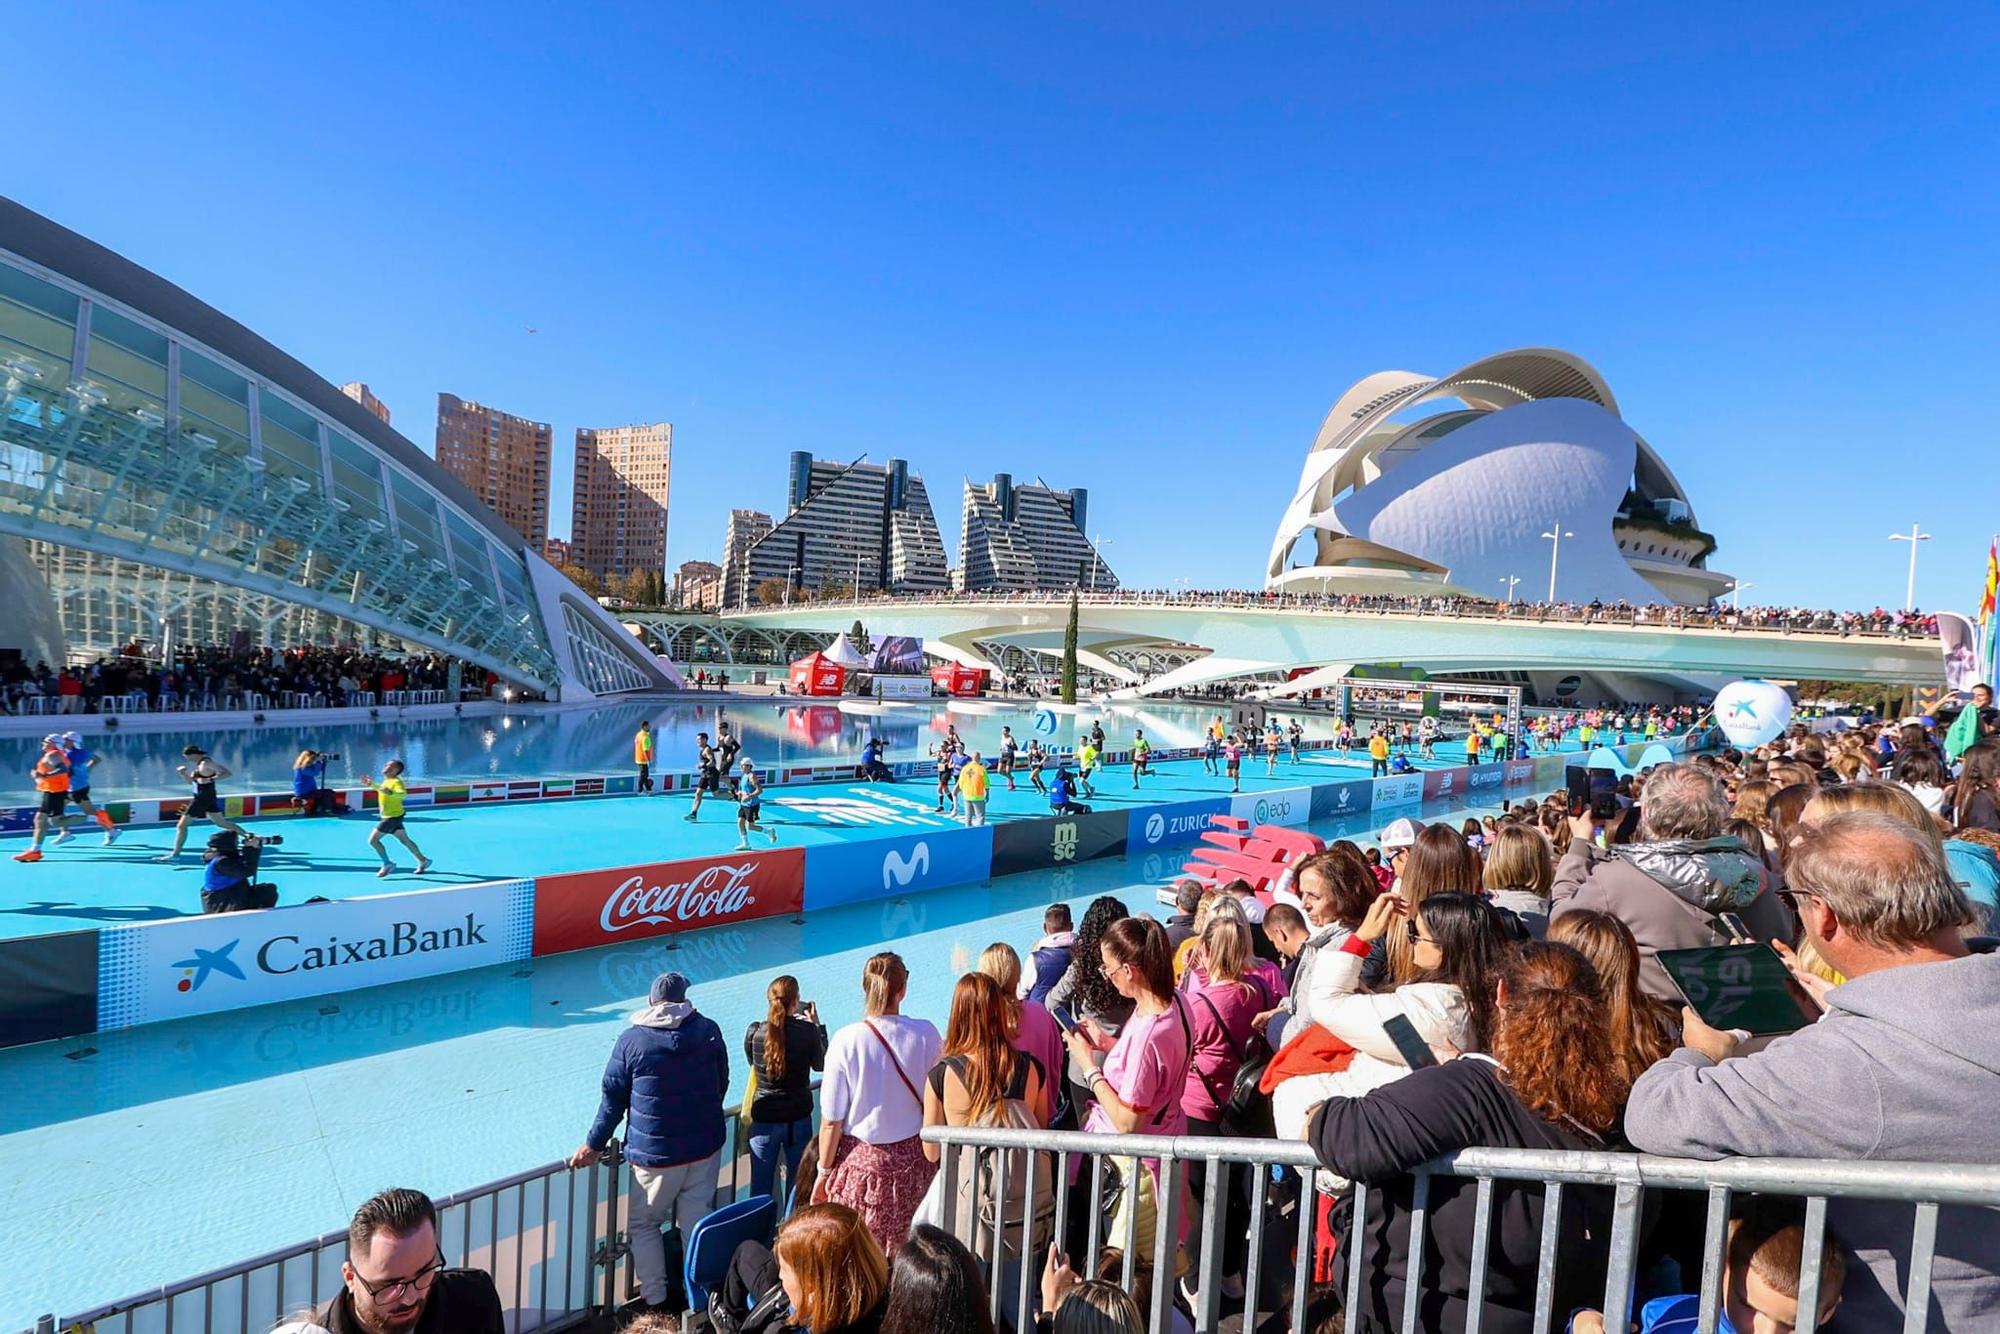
x: 1135, y: 248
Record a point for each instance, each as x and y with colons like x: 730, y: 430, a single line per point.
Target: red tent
x: 814, y: 674
x: 958, y: 679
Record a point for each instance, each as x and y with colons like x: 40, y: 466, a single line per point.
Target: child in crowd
x: 1760, y: 1282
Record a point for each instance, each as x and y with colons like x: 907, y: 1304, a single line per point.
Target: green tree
x: 769, y: 592
x: 1069, y: 655
x: 587, y: 580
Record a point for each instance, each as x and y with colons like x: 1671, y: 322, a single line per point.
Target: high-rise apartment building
x: 502, y: 459
x: 746, y: 529
x: 848, y: 525
x: 1024, y: 538
x: 359, y: 392
x: 618, y: 518
x: 698, y: 585
x: 556, y: 552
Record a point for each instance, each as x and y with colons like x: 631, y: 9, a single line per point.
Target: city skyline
x: 1142, y: 254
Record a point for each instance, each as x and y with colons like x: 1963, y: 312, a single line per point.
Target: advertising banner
x: 1061, y: 840
x: 198, y: 965
x: 1444, y: 782
x: 1165, y: 826
x: 48, y: 987
x: 1285, y: 806
x: 583, y: 909
x: 1549, y: 770
x: 1519, y: 772
x: 1485, y: 777
x: 1332, y: 800
x: 853, y: 872
x: 1398, y: 791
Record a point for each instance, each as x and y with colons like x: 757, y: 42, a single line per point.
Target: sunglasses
x: 1416, y: 937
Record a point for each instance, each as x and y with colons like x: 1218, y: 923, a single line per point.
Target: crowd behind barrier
x: 1523, y: 1090
x: 214, y: 677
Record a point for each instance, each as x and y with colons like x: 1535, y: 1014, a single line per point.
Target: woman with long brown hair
x: 978, y: 1068
x: 1551, y: 1081
x: 784, y: 1049
x: 1644, y: 1029
x: 870, y: 1156
x: 833, y: 1271
x: 1440, y: 862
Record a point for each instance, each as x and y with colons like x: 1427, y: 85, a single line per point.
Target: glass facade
x: 131, y: 442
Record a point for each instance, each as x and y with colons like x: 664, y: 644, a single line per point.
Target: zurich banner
x: 1399, y: 790
x: 1164, y: 826
x: 884, y: 868
x: 1330, y: 801
x: 1283, y: 806
x: 230, y: 961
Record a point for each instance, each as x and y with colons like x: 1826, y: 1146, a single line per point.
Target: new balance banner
x: 1058, y: 840
x: 48, y: 987
x: 1284, y: 806
x: 197, y: 965
x: 1399, y: 790
x: 883, y: 868
x: 588, y: 908
x: 1330, y: 801
x: 1164, y: 826
x: 1444, y: 783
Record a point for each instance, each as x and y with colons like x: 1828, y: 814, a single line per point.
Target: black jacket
x: 1462, y: 1104
x: 461, y: 1301
x: 781, y: 1101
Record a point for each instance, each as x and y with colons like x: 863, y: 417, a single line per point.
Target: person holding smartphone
x: 783, y: 1050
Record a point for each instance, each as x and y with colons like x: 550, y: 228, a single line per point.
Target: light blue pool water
x: 134, y: 1158
x: 539, y: 742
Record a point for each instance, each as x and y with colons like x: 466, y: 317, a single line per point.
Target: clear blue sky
x: 1138, y: 248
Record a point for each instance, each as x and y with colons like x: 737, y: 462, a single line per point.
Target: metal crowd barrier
x: 1927, y: 1186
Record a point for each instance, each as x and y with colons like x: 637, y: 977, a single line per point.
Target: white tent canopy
x: 844, y: 653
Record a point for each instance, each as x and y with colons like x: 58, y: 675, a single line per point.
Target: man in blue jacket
x: 666, y: 1080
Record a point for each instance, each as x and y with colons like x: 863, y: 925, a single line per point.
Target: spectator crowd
x: 210, y: 675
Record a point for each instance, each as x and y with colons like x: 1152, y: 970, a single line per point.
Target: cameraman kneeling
x: 228, y: 870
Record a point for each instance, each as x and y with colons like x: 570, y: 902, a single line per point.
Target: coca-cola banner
x: 590, y: 908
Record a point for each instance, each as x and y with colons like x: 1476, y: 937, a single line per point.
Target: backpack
x: 1246, y: 1111
x: 1028, y: 1187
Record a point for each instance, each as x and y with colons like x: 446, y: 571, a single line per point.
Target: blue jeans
x: 771, y: 1140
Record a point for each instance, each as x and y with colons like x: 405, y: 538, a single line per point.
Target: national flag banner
x: 558, y: 787
x: 1991, y: 592
x: 527, y: 790
x: 420, y: 795
x: 488, y: 792
x: 621, y: 783
x: 589, y: 787
x: 453, y: 795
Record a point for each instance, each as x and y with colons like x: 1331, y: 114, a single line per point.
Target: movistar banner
x: 885, y: 868
x: 230, y: 961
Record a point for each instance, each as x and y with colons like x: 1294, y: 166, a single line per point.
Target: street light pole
x: 1097, y: 544
x: 1914, y: 536
x: 1510, y: 581
x: 1555, y: 536
x: 791, y: 575
x: 1736, y: 594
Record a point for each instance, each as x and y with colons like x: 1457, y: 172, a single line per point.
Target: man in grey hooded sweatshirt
x: 1669, y: 887
x: 1904, y: 1066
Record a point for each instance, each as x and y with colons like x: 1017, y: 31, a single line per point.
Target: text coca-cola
x: 713, y: 891
x: 586, y: 908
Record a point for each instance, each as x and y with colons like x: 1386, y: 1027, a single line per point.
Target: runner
x: 203, y: 775
x: 390, y: 794
x: 1142, y: 754
x: 1295, y: 737
x: 1037, y: 758
x: 1345, y: 737
x: 1211, y: 747
x: 943, y: 752
x: 51, y: 775
x: 1086, y: 762
x: 1007, y: 748
x: 81, y: 762
x: 1403, y: 737
x: 1232, y: 757
x: 707, y: 772
x: 1427, y: 736
x: 727, y: 748
x: 750, y: 804
x: 1274, y: 740
x: 1097, y: 736
x: 642, y: 754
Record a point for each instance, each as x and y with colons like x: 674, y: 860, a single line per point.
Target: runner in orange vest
x: 51, y: 774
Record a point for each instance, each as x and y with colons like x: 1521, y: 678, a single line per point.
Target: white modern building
x: 1508, y: 479
x: 746, y: 529
x: 860, y: 525
x: 1021, y: 539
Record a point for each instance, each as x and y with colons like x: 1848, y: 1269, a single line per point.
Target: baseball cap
x: 669, y: 989
x: 1399, y: 834
x: 52, y: 739
x: 72, y: 738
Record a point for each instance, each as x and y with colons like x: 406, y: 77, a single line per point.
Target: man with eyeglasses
x: 1903, y: 1066
x: 396, y: 1281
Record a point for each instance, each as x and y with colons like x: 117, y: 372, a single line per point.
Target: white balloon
x: 1752, y: 712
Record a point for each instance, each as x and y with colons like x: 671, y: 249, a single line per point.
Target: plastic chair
x: 708, y: 1251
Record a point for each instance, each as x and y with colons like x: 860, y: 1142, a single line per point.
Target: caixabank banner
x: 230, y: 961
x: 1176, y: 823
x: 1057, y: 841
x: 584, y: 909
x: 880, y: 868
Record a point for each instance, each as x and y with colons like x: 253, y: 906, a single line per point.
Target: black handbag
x: 1247, y: 1109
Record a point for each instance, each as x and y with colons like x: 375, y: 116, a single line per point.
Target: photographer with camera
x: 310, y: 794
x: 228, y: 871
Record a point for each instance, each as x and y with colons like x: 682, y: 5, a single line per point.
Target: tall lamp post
x: 1097, y: 545
x: 1510, y: 581
x: 1555, y: 536
x: 1736, y: 593
x: 1914, y: 536
x: 791, y: 576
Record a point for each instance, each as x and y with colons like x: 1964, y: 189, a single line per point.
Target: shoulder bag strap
x: 894, y: 1063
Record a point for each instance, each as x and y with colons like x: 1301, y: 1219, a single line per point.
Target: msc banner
x: 1398, y: 791
x: 1178, y: 822
x: 589, y: 908
x: 230, y: 961
x: 879, y: 868
x: 1061, y: 840
x: 1332, y: 800
x: 48, y: 987
x: 1286, y: 805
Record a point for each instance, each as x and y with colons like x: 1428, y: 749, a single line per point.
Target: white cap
x: 72, y: 738
x: 52, y: 739
x: 1399, y: 834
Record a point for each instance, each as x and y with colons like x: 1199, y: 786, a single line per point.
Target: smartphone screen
x: 1740, y: 986
x: 1576, y: 784
x: 1734, y: 926
x: 1415, y: 1051
x: 1064, y: 1020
